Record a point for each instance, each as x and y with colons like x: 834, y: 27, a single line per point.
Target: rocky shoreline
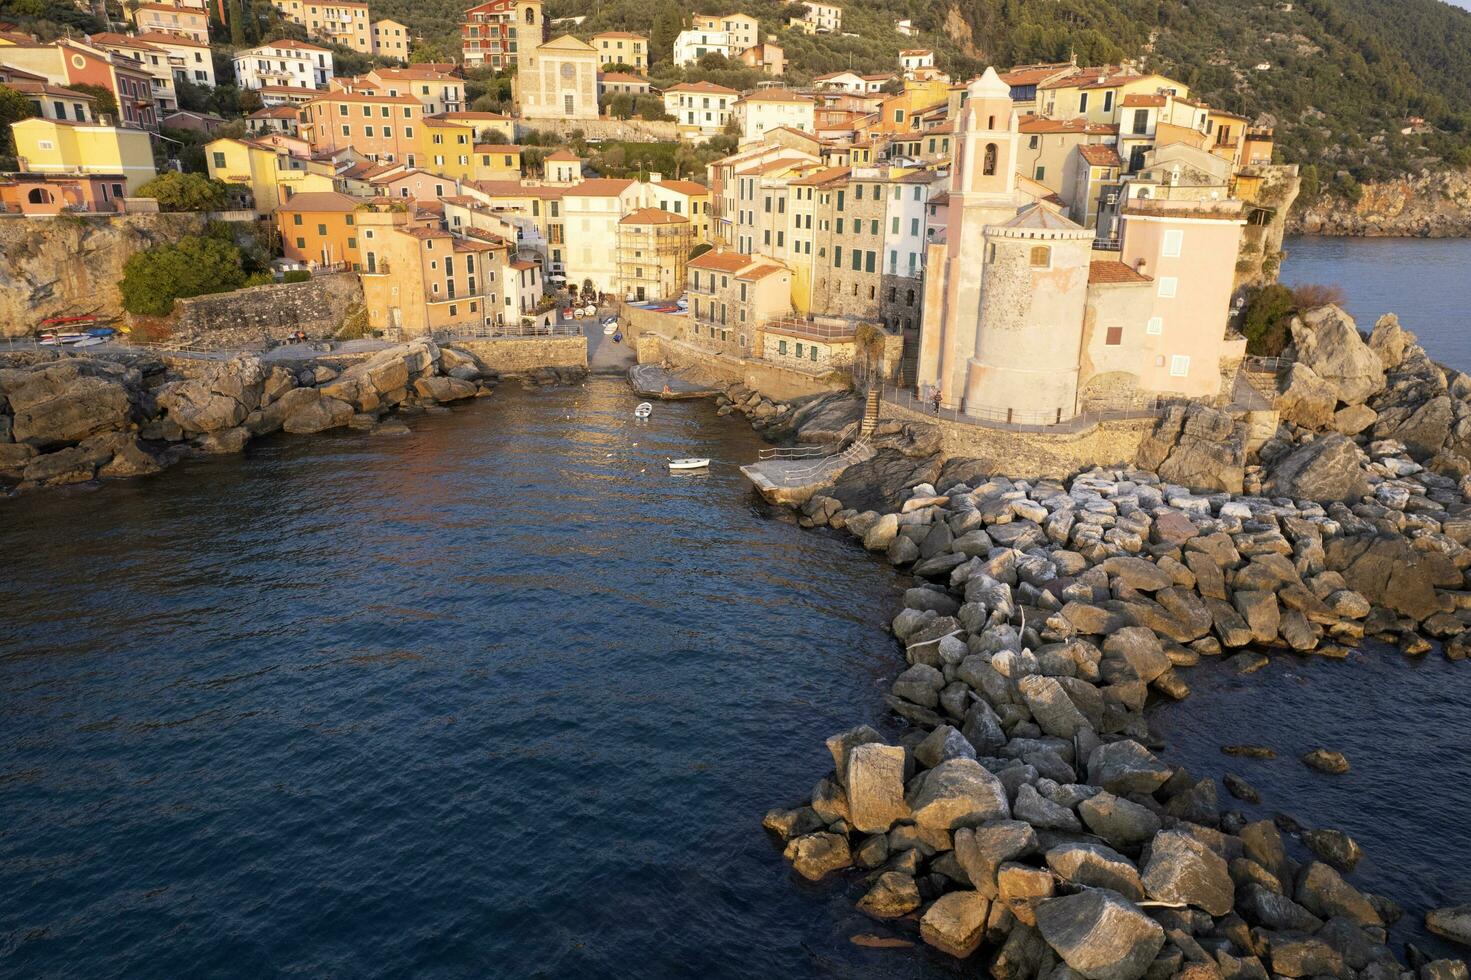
x: 1024, y: 811
x: 71, y: 417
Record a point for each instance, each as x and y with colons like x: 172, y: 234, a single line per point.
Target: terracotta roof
x: 414, y: 71
x: 706, y: 88
x: 46, y: 88
x: 621, y: 77
x: 760, y: 272
x: 119, y: 40
x: 1041, y: 219
x: 288, y: 43
x: 598, y: 187
x: 1030, y: 124
x: 1138, y: 100
x: 275, y: 112
x: 913, y: 51
x: 514, y: 188
x: 623, y: 34
x: 823, y: 176
x: 310, y: 93
x: 522, y: 265
x: 1032, y: 74
x: 1100, y: 155
x: 652, y: 216
x: 1113, y: 272
x: 172, y: 9
x: 781, y: 163
x: 719, y: 260
x: 357, y: 97
x: 320, y: 201
x: 471, y: 116
x: 564, y: 155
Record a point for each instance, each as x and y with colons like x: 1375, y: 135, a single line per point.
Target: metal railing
x: 1266, y: 365
x: 793, y: 452
x: 807, y: 474
x: 494, y: 331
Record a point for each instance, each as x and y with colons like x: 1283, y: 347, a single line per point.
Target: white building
x: 904, y: 238
x: 700, y: 109
x: 741, y: 31
x: 913, y: 59
x: 906, y: 27
x: 283, y: 64
x: 773, y: 108
x: 189, y: 59
x: 826, y: 18
x: 690, y: 46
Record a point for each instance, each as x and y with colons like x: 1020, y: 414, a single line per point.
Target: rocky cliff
x: 70, y: 266
x: 1424, y: 205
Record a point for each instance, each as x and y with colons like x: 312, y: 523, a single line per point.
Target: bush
x: 193, y: 266
x: 1310, y: 296
x: 1265, y: 323
x: 186, y: 192
x: 297, y: 275
x: 260, y: 279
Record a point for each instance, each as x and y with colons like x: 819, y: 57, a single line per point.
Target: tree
x: 667, y: 25
x: 493, y: 136
x: 186, y: 192
x: 685, y: 158
x: 193, y: 266
x: 106, y: 101
x: 13, y: 108
x: 195, y: 98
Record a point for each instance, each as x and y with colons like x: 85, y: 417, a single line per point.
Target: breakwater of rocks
x: 70, y: 417
x: 1024, y: 816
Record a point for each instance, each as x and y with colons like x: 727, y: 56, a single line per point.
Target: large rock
x: 957, y: 793
x: 841, y: 747
x: 1096, y: 866
x: 1325, y: 469
x: 1141, y: 648
x: 1052, y: 709
x: 369, y: 384
x: 1306, y: 399
x: 63, y: 402
x: 1388, y: 572
x: 1423, y: 425
x: 1328, y: 341
x: 876, y: 787
x: 219, y: 397
x: 982, y: 850
x: 441, y: 389
x: 883, y: 482
x: 318, y: 416
x: 1123, y: 823
x: 72, y: 464
x: 1126, y: 767
x: 1182, y: 869
x: 1196, y: 446
x: 956, y: 923
x: 816, y: 855
x: 1323, y: 892
x: 892, y: 895
x: 1453, y: 922
x: 1100, y: 934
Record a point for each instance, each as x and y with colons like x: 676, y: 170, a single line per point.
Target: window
x: 1108, y: 101
x: 1114, y: 337
x: 220, y: 161
x: 989, y: 165
x: 813, y: 350
x: 1040, y: 174
x: 1082, y: 102
x: 1041, y: 257
x: 301, y: 243
x: 781, y: 346
x: 1179, y: 366
x: 1167, y: 287
x: 1173, y: 241
x: 1155, y: 327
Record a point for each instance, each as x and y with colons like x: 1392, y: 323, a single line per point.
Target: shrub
x: 193, y: 266
x: 1311, y: 295
x: 186, y: 192
x: 1265, y: 323
x: 297, y: 275
x: 260, y: 279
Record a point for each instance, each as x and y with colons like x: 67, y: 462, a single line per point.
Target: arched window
x: 530, y: 16
x: 1041, y: 257
x: 39, y: 195
x: 989, y: 161
x: 990, y: 122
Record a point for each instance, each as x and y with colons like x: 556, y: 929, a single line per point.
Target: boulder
x: 1452, y: 922
x: 876, y: 787
x: 892, y: 895
x: 1100, y: 934
x: 1141, y: 648
x: 62, y: 402
x: 982, y: 850
x: 1353, y: 419
x: 1388, y: 571
x: 1182, y: 869
x: 815, y: 855
x: 841, y: 746
x: 1423, y: 426
x: 72, y: 464
x: 1328, y: 341
x: 1020, y: 887
x: 1325, y: 469
x: 1126, y: 767
x: 1389, y: 340
x: 1042, y: 813
x: 956, y: 923
x: 1123, y: 823
x: 1096, y: 866
x: 220, y: 397
x: 442, y: 389
x: 1052, y: 709
x: 318, y: 416
x: 1335, y: 847
x: 956, y: 793
x: 1306, y: 956
x: 1323, y: 892
x: 1306, y: 399
x: 1197, y: 447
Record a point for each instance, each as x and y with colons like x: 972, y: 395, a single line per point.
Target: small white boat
x: 90, y: 342
x: 643, y: 411
x: 693, y: 463
x: 610, y: 326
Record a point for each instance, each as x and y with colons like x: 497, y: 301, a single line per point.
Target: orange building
x: 320, y: 228
x: 423, y: 278
x: 384, y: 128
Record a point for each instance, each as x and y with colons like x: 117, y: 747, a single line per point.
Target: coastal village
x: 996, y: 328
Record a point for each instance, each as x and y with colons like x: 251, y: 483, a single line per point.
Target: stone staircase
x: 870, y: 414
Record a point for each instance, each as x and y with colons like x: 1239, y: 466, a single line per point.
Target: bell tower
x: 528, y: 29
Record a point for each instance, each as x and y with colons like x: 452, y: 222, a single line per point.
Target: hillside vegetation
x: 1343, y: 76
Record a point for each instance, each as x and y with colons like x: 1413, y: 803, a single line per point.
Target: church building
x: 556, y: 79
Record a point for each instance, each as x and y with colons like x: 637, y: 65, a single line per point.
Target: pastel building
x: 283, y: 63
x: 50, y: 146
x: 1025, y: 321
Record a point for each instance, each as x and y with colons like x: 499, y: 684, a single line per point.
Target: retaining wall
x: 1032, y: 455
x: 522, y: 355
x: 631, y: 130
x: 249, y: 316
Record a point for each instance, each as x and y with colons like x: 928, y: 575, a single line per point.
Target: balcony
x: 826, y: 329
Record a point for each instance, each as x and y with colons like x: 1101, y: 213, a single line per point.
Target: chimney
x: 1142, y: 267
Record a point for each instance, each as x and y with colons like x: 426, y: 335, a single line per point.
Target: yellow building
x: 273, y: 175
x: 171, y: 18
x: 391, y: 39
x: 1097, y: 94
x: 653, y: 249
x: 496, y: 162
x: 340, y: 22
x: 420, y: 279
x: 448, y: 147
x: 49, y: 146
x: 684, y: 197
x: 898, y: 113
x: 622, y: 48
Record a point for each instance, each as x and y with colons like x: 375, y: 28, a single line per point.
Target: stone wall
x: 522, y: 355
x: 632, y: 130
x: 1032, y: 455
x: 71, y: 265
x: 247, y: 316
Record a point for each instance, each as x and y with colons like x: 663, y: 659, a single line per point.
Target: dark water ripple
x: 503, y: 698
x: 500, y: 698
